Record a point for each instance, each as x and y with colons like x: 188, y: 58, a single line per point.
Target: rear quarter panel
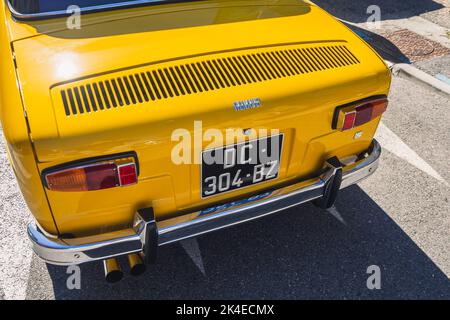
x: 15, y: 131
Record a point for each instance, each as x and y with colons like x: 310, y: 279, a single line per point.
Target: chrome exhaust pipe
x: 137, y: 265
x: 113, y: 272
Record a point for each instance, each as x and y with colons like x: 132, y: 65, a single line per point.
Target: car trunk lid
x: 101, y: 91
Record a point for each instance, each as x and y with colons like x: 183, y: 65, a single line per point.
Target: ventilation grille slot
x: 192, y: 78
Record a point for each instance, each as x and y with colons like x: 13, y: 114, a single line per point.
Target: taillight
x: 354, y: 115
x: 89, y: 176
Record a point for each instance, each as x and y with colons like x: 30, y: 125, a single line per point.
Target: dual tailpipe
x: 114, y: 273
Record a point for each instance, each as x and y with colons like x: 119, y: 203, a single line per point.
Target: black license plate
x: 240, y: 165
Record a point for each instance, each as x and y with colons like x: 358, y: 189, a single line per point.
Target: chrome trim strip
x: 103, y: 246
x: 364, y: 168
x: 205, y: 224
x: 59, y: 252
x: 64, y: 13
x: 279, y: 200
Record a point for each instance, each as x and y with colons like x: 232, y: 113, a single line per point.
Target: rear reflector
x: 349, y: 120
x: 94, y: 176
x: 127, y: 174
x: 357, y: 115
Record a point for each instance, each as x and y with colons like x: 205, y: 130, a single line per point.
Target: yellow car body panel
x: 49, y: 59
x: 15, y: 129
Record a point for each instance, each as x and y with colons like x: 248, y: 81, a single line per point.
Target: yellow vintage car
x: 134, y: 124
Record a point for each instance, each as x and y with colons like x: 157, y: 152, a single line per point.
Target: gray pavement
x: 436, y: 66
x: 440, y: 16
x: 398, y: 219
x: 356, y: 11
x: 427, y: 18
x: 15, y: 255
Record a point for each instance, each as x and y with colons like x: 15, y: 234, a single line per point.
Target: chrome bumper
x: 147, y: 234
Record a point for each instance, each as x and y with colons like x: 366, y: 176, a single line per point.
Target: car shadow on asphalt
x: 301, y: 253
x: 356, y: 11
x: 385, y: 48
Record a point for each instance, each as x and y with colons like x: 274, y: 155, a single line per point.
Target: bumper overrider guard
x: 147, y: 234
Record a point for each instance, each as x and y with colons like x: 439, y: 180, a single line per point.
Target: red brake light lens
x: 363, y: 114
x: 93, y: 176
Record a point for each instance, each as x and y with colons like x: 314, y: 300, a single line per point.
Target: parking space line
x: 193, y: 250
x: 335, y: 213
x: 392, y: 143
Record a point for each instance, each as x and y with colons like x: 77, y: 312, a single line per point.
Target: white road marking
x: 443, y: 77
x: 392, y: 143
x: 193, y: 250
x: 335, y: 213
x: 15, y: 252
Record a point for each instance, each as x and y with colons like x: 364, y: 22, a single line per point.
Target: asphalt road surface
x: 398, y: 219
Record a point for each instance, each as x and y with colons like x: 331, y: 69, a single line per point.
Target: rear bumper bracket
x: 332, y: 186
x: 150, y: 234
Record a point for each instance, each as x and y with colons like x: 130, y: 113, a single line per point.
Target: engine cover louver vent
x: 152, y: 83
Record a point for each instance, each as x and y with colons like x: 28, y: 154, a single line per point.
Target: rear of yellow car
x: 103, y: 104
